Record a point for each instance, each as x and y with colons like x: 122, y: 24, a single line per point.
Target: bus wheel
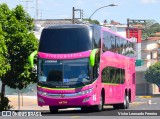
x: 53, y: 109
x: 86, y: 109
x: 99, y: 107
x: 116, y: 106
x: 125, y: 104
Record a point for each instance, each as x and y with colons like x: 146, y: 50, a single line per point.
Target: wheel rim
x: 101, y: 103
x: 126, y: 102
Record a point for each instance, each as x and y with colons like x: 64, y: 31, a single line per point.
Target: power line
x: 27, y: 1
x: 36, y: 9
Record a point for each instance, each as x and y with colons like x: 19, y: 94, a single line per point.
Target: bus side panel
x: 113, y: 93
x: 133, y: 81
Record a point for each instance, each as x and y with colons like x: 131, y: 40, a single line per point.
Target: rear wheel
x: 86, y: 109
x: 99, y: 107
x: 124, y: 105
x: 53, y: 109
x: 116, y: 106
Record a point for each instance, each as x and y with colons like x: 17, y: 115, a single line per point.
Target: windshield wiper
x: 81, y: 82
x: 56, y: 82
x: 43, y: 82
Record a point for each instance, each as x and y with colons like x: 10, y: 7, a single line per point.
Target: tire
x: 124, y: 105
x: 99, y: 107
x: 53, y: 109
x: 86, y: 109
x: 116, y: 106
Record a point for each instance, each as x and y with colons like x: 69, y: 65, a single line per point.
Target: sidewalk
x: 148, y: 96
x: 26, y: 103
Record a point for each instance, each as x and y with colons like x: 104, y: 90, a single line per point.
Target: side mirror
x: 93, y: 56
x: 31, y: 58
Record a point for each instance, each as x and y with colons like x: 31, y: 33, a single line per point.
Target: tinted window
x: 107, y: 41
x: 97, y: 37
x: 113, y: 75
x: 118, y: 48
x: 113, y: 47
x: 117, y: 44
x: 65, y: 40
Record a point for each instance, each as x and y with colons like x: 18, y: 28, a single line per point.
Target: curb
x: 145, y: 96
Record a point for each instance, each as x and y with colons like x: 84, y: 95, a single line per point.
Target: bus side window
x: 112, y: 43
x: 104, y: 47
x: 122, y: 76
x: 125, y: 47
x: 118, y: 46
x: 96, y: 38
x: 121, y: 46
x: 118, y: 76
x: 128, y: 49
x: 106, y: 42
x: 132, y: 50
x: 106, y: 75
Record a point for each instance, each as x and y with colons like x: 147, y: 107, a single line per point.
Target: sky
x: 62, y: 9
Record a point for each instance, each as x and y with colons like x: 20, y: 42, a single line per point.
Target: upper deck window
x: 65, y: 40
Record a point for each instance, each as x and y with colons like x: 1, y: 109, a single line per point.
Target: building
x: 150, y: 48
x: 116, y: 27
x: 42, y: 23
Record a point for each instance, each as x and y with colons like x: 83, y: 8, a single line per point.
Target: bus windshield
x: 65, y: 40
x: 71, y: 73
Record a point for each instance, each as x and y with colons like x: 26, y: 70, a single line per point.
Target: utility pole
x: 73, y: 14
x: 27, y: 1
x: 131, y: 21
x: 139, y: 61
x: 36, y: 9
x: 41, y: 15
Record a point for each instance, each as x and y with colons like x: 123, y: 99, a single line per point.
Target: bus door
x: 127, y: 73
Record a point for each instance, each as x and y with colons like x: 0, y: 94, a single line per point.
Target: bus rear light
x: 86, y: 99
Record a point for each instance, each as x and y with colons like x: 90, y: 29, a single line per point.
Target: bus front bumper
x: 83, y: 100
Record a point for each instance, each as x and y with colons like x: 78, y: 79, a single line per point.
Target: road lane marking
x: 75, y: 117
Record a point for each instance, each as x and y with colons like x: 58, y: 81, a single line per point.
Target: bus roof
x: 59, y: 26
x: 63, y: 26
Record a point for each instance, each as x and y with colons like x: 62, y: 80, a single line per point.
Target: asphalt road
x: 142, y: 104
x: 149, y: 105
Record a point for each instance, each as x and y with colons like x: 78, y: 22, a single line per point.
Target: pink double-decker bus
x: 85, y: 66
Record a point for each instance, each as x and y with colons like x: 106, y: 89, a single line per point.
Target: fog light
x: 41, y: 100
x: 86, y: 99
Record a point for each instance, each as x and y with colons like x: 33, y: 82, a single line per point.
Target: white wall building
x: 150, y: 56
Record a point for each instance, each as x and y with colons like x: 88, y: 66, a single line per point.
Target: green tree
x: 151, y: 27
x: 4, y: 67
x: 19, y: 42
x: 92, y: 21
x: 152, y: 75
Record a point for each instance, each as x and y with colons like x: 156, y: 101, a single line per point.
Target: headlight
x: 86, y: 91
x: 42, y: 93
